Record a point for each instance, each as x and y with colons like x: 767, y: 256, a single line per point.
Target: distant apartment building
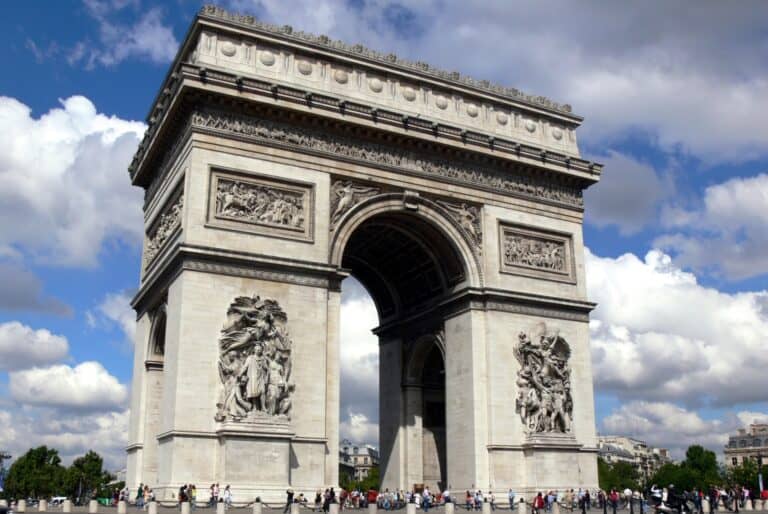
x: 357, y: 460
x: 646, y: 459
x: 748, y: 443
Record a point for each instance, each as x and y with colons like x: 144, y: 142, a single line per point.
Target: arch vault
x: 276, y: 164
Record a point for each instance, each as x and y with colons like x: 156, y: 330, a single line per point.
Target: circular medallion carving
x: 502, y: 118
x: 228, y: 49
x: 341, y: 76
x: 530, y: 126
x: 376, y: 85
x: 409, y: 94
x: 304, y: 67
x: 557, y: 133
x: 267, y: 58
x: 441, y: 102
x: 472, y: 110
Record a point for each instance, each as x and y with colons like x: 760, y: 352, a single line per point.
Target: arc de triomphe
x: 277, y: 163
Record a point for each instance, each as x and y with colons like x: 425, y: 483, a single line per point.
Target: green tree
x: 619, y: 475
x: 745, y: 474
x: 702, y: 464
x: 86, y: 476
x: 699, y: 470
x: 38, y: 474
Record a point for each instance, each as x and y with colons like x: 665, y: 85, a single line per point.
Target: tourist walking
x: 538, y: 504
x: 227, y: 497
x: 425, y: 499
x: 288, y: 501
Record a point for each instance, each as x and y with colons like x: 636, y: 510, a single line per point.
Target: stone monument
x: 277, y: 163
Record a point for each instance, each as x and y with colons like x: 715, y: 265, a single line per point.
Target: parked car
x: 57, y: 500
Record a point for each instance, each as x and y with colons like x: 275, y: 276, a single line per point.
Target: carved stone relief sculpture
x: 346, y: 194
x: 166, y: 226
x: 544, y: 399
x: 521, y: 250
x: 524, y: 183
x: 256, y: 203
x: 254, y: 362
x: 468, y: 217
x: 536, y: 253
x: 262, y: 205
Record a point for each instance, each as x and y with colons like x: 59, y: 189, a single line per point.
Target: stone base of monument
x: 255, y: 457
x: 550, y: 459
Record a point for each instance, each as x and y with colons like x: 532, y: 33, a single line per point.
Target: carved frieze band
x: 261, y: 205
x: 522, y: 182
x: 165, y: 227
x: 536, y: 253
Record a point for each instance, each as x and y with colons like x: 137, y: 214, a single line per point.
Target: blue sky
x: 675, y: 100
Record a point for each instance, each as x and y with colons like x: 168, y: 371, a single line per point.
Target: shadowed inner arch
x: 405, y: 263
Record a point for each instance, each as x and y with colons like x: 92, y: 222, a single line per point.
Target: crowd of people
x: 668, y: 499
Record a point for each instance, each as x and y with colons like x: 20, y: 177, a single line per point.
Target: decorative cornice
x: 391, y: 60
x: 382, y: 117
x: 520, y: 182
x: 518, y: 303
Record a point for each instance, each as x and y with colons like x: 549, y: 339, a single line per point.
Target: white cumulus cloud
x: 116, y: 309
x: 659, y: 335
x: 359, y: 365
x: 65, y: 182
x: 727, y: 234
x: 633, y: 71
x: 69, y: 432
x: 359, y: 429
x: 148, y: 38
x: 87, y: 386
x: 24, y: 347
x: 670, y: 426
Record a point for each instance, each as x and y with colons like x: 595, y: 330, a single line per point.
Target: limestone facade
x: 749, y: 443
x: 275, y: 165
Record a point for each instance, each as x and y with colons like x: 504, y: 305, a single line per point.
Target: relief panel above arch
x: 261, y: 204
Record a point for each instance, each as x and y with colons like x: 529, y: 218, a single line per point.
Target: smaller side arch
x: 420, y: 349
x: 157, y: 330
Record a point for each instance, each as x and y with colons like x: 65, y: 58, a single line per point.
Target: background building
x: 646, y: 459
x: 357, y: 460
x: 748, y: 443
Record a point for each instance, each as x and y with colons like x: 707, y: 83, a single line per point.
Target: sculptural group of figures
x: 259, y: 204
x: 254, y: 361
x: 535, y: 253
x: 544, y: 399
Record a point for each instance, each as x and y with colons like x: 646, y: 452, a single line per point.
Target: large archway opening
x: 404, y: 266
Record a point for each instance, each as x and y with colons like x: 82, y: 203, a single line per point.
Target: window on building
x: 735, y: 461
x: 743, y: 443
x: 365, y: 461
